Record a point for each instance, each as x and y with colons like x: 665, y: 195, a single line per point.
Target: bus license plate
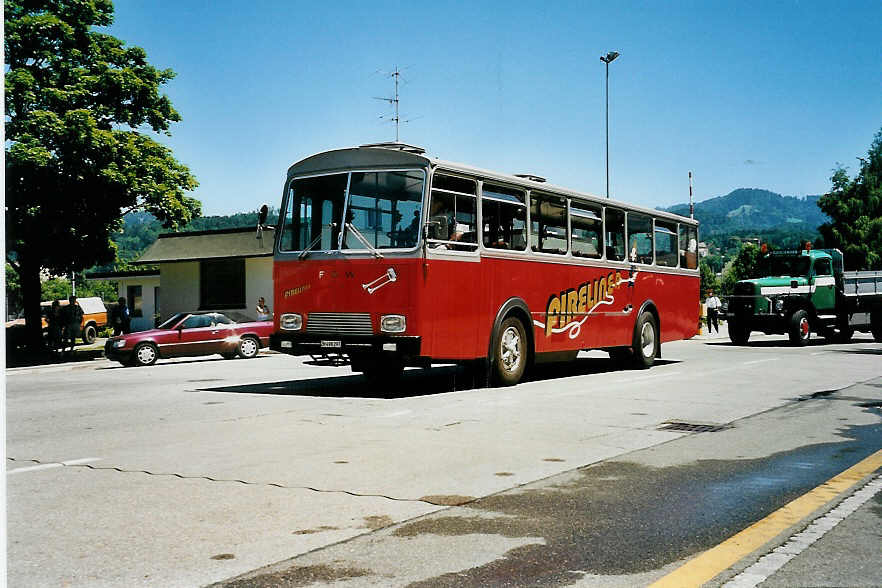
x: 332, y: 344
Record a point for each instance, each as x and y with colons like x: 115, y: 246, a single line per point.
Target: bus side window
x: 689, y: 246
x: 548, y: 223
x: 504, y: 216
x: 666, y: 243
x: 615, y: 234
x: 453, y: 213
x: 587, y: 230
x: 639, y: 238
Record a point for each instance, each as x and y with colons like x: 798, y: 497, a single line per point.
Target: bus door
x: 453, y: 284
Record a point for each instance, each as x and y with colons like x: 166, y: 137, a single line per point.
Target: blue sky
x: 745, y: 94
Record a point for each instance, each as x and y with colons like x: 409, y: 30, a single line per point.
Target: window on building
x: 135, y: 301
x: 504, y: 216
x: 639, y: 238
x: 587, y: 229
x: 666, y: 243
x: 548, y: 223
x: 222, y: 284
x: 615, y: 234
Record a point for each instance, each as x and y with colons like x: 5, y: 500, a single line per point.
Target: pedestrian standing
x: 54, y: 320
x: 122, y: 319
x: 74, y: 322
x: 713, y: 305
x: 263, y: 311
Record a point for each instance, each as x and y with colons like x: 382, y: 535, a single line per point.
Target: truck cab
x: 794, y: 292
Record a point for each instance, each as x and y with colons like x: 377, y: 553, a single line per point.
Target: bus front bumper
x: 321, y: 344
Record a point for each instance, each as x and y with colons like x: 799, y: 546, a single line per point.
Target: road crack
x: 433, y: 500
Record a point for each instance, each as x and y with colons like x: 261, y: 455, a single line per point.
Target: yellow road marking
x: 716, y: 560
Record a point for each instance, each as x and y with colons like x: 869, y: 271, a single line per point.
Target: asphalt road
x: 275, y: 472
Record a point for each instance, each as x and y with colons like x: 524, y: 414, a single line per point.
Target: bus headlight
x: 393, y: 323
x: 290, y: 322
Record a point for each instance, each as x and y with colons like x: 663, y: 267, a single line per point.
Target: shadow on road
x: 415, y: 382
x: 784, y: 342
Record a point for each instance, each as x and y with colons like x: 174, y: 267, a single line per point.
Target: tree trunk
x: 31, y: 294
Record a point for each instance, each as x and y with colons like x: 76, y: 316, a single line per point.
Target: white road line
x: 774, y: 561
x: 58, y: 464
x: 761, y: 360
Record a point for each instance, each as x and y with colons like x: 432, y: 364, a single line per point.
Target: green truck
x: 804, y: 292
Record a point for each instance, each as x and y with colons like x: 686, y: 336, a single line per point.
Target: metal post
x: 607, y: 128
x: 606, y: 59
x: 691, y: 203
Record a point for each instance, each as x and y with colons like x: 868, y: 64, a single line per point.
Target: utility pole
x: 607, y: 59
x: 691, y: 203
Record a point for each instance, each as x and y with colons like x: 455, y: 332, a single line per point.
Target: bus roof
x: 389, y: 155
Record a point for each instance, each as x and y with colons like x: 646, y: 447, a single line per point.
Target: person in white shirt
x: 713, y: 306
x: 263, y: 312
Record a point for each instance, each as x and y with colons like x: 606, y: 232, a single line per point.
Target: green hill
x: 750, y: 209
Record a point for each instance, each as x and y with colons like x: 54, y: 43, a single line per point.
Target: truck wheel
x: 876, y: 325
x: 510, y: 353
x: 89, y: 334
x: 800, y: 330
x: 738, y: 334
x: 646, y: 341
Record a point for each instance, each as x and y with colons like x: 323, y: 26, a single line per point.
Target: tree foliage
x: 79, y: 107
x: 855, y: 207
x: 743, y: 267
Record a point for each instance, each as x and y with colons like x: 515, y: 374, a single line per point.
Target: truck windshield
x: 383, y: 207
x: 784, y: 266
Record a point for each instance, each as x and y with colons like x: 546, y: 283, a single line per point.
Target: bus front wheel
x: 510, y: 352
x: 646, y: 341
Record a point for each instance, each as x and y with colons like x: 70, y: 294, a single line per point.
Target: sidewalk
x: 18, y: 358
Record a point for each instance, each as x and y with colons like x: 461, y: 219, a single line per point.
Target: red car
x: 188, y: 334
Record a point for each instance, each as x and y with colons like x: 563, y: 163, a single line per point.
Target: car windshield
x: 784, y: 266
x: 171, y: 322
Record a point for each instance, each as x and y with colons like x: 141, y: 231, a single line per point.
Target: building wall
x: 180, y: 287
x: 258, y: 282
x: 148, y: 301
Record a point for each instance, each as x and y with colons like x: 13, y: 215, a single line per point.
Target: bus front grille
x: 340, y: 323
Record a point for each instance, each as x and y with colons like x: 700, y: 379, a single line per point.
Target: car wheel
x: 145, y: 354
x: 646, y: 341
x: 89, y: 334
x: 510, y: 352
x: 248, y: 347
x: 800, y: 330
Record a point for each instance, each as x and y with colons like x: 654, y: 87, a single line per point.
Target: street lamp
x: 607, y: 59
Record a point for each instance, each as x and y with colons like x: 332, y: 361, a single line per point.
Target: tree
x: 708, y: 278
x: 743, y: 267
x: 855, y: 209
x: 78, y: 106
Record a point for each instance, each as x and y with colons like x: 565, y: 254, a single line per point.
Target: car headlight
x: 393, y: 323
x: 290, y: 322
x: 119, y: 344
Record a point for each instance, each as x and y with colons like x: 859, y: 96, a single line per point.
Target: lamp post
x: 607, y: 59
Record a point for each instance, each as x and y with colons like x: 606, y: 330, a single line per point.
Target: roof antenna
x: 395, y: 118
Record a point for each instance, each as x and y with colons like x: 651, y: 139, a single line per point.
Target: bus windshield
x: 383, y: 207
x: 784, y: 266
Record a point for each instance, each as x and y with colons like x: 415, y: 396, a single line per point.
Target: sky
x: 744, y: 94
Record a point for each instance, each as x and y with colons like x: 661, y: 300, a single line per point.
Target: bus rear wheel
x: 510, y: 352
x: 646, y: 341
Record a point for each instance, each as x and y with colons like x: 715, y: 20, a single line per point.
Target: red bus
x: 438, y: 262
